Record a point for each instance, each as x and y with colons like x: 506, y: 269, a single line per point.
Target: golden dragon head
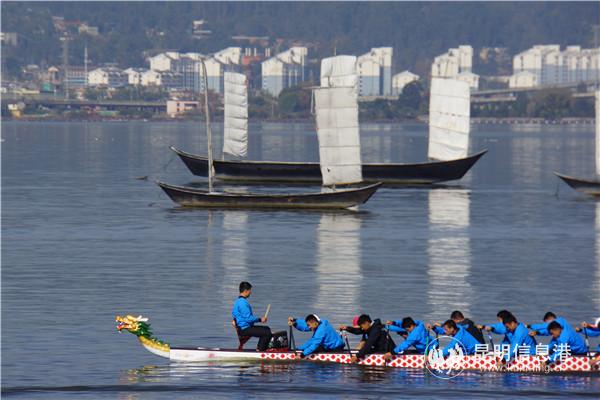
x: 139, y: 325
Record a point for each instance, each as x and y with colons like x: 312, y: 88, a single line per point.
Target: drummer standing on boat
x: 245, y: 320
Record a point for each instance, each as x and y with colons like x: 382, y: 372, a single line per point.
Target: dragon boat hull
x: 489, y: 363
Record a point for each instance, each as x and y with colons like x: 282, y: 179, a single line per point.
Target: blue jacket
x: 520, y: 337
x: 396, y: 326
x: 592, y: 332
x: 573, y: 340
x: 499, y: 329
x: 419, y: 339
x: 463, y: 337
x: 542, y: 328
x: 242, y: 313
x: 324, y: 336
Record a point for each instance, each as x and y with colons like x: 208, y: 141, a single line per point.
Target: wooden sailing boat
x: 588, y: 186
x: 339, y: 172
x: 340, y: 71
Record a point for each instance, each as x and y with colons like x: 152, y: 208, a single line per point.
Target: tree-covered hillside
x: 418, y: 31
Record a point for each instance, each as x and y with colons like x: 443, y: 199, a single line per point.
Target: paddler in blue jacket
x: 418, y: 336
x: 518, y: 336
x: 498, y: 328
x: 460, y: 320
x: 591, y: 330
x: 324, y: 337
x: 244, y: 319
x: 541, y: 329
x: 460, y: 336
x: 564, y: 339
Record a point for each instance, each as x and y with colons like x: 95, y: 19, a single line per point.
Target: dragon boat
x: 140, y: 327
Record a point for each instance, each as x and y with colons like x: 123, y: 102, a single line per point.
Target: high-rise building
x: 284, y: 70
x: 375, y: 72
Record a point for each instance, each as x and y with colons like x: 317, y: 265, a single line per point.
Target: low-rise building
x: 108, y: 77
x: 179, y: 107
x: 523, y: 79
x: 402, y: 79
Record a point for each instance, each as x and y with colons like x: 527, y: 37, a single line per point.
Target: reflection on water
x: 338, y: 264
x: 448, y: 248
x: 597, y: 280
x: 234, y: 252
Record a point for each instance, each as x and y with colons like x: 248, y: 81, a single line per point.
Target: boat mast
x: 208, y: 132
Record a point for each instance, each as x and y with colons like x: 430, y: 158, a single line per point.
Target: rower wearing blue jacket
x: 324, y: 337
x: 519, y: 338
x: 460, y: 320
x: 566, y: 338
x: 541, y: 329
x: 244, y: 319
x: 460, y: 336
x: 498, y: 328
x: 418, y: 336
x: 591, y: 330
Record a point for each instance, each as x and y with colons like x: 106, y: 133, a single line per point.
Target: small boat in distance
x: 588, y: 186
x: 340, y: 160
x: 449, y: 130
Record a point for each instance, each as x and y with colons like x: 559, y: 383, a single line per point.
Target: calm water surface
x: 84, y: 240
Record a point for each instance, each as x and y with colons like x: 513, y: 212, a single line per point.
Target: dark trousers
x: 263, y: 333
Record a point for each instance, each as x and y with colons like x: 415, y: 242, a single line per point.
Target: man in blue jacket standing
x: 245, y: 320
x: 324, y: 337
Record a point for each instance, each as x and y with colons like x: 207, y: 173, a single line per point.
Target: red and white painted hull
x: 530, y: 364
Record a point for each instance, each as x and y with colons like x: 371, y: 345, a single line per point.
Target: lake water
x: 83, y: 240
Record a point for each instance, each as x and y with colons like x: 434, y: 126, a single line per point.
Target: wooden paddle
x: 267, y: 312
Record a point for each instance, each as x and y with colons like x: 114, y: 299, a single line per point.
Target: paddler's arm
x: 540, y: 329
x: 395, y: 326
x: 300, y: 324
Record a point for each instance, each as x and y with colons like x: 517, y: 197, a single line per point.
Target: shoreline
x: 477, y: 121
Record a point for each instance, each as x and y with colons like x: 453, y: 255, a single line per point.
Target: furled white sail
x: 598, y: 132
x: 337, y: 129
x: 449, y: 112
x: 235, y: 140
x: 339, y: 71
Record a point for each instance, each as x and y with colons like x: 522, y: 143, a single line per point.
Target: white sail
x: 449, y: 112
x: 235, y: 140
x: 337, y: 129
x: 598, y: 132
x: 339, y: 71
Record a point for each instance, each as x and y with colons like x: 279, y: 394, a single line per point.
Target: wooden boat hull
x: 271, y: 171
x: 339, y: 199
x: 589, y: 187
x: 529, y: 364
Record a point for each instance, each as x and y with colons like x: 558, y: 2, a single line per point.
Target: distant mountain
x: 418, y: 31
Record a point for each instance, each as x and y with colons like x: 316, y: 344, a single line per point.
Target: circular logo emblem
x: 445, y: 367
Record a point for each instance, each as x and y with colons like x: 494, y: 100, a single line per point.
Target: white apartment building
x: 284, y: 70
x: 456, y: 63
x: 109, y: 77
x: 551, y: 66
x: 375, y: 72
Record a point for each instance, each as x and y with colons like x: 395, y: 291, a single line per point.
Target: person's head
x: 555, y: 329
x: 450, y: 328
x: 245, y: 289
x: 457, y: 316
x: 510, y: 322
x: 364, y: 322
x: 549, y: 316
x: 503, y: 314
x: 312, y: 321
x: 409, y: 324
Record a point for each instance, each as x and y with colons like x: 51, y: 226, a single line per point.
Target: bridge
x: 52, y: 101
